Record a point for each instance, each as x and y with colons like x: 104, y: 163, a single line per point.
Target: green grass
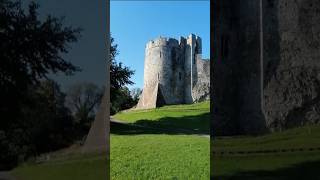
x: 139, y: 152
x: 159, y: 157
x: 192, y: 117
x: 156, y: 149
x: 303, y: 137
x: 294, y: 166
x: 278, y: 166
x: 80, y: 167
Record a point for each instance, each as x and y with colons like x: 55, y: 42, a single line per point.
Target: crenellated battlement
x: 162, y: 41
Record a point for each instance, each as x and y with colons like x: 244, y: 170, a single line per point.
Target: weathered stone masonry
x: 266, y: 65
x: 174, y: 72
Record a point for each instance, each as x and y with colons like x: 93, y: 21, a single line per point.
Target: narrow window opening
x: 180, y: 76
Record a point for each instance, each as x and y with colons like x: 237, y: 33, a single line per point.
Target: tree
x: 83, y: 99
x: 31, y: 49
x: 123, y: 100
x: 48, y: 121
x: 135, y: 94
x: 120, y: 74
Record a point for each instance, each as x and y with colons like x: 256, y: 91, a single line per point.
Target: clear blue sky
x: 134, y: 23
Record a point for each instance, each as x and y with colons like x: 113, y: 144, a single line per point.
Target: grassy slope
x: 143, y: 153
x: 139, y: 153
x: 303, y: 137
x: 195, y: 117
x: 289, y: 165
x: 79, y: 167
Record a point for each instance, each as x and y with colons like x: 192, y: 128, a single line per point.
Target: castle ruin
x: 174, y: 72
x: 265, y: 65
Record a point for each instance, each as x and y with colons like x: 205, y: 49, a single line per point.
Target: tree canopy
x: 33, y: 117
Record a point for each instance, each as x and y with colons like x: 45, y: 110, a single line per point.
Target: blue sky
x: 134, y: 23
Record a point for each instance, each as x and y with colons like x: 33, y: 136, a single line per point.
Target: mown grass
x: 281, y: 165
x: 159, y: 157
x: 192, y: 117
x: 80, y: 167
x: 155, y: 149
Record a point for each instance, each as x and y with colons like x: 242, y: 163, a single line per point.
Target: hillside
x: 162, y: 143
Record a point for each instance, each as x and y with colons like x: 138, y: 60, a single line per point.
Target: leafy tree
x: 120, y: 77
x: 31, y: 49
x: 48, y: 121
x: 123, y: 100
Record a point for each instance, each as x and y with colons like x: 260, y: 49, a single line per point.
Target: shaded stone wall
x: 276, y: 87
x: 292, y: 73
x: 236, y: 78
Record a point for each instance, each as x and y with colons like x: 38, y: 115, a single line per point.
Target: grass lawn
x: 159, y: 157
x: 192, y: 117
x: 79, y: 167
x: 279, y: 165
x: 161, y: 148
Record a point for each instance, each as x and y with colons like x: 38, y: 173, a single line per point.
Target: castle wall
x: 169, y: 82
x: 292, y: 86
x: 224, y: 64
x: 178, y: 75
x: 201, y: 90
x: 163, y: 72
x: 153, y: 66
x: 278, y: 86
x: 236, y: 77
x: 190, y: 46
x: 171, y: 74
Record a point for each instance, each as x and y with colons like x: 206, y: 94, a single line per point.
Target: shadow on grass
x: 199, y: 124
x: 305, y: 170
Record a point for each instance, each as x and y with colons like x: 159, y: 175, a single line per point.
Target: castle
x: 174, y: 72
x: 265, y: 65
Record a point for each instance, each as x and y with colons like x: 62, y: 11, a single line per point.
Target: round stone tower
x: 163, y: 77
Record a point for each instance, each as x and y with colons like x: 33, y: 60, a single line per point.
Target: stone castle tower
x: 265, y: 65
x: 174, y: 72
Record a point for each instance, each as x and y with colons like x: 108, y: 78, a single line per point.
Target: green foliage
x: 30, y: 48
x: 121, y: 100
x: 33, y: 119
x: 120, y: 77
x: 48, y: 121
x: 44, y: 125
